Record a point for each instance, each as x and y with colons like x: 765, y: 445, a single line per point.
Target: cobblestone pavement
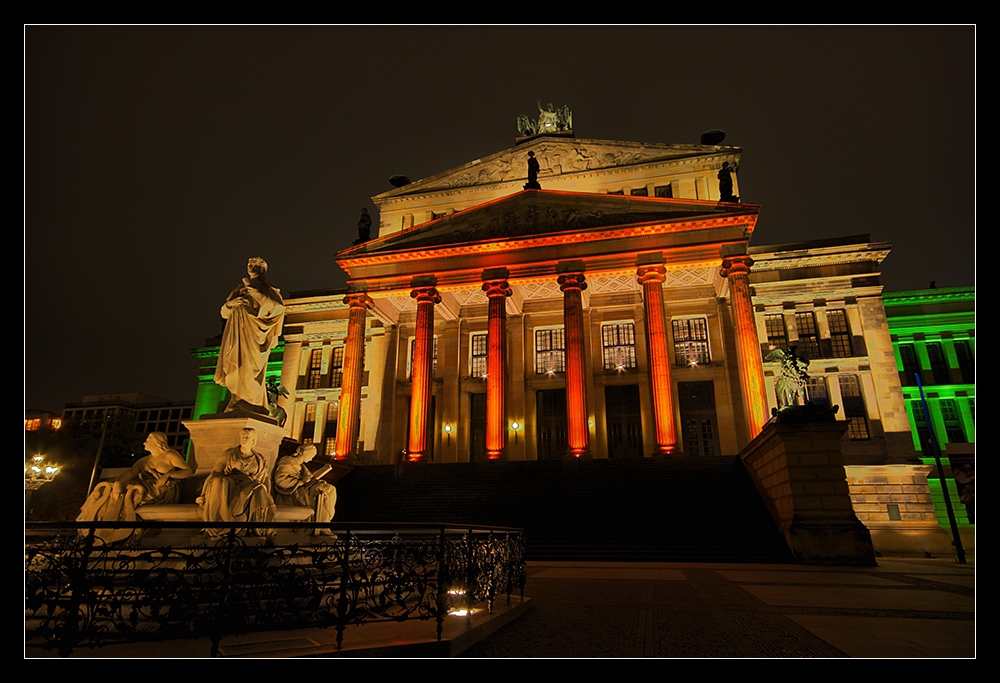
x: 903, y: 608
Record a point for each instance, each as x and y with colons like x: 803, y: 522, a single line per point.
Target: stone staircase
x: 690, y: 509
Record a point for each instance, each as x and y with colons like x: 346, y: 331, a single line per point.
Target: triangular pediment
x: 535, y: 213
x: 556, y: 157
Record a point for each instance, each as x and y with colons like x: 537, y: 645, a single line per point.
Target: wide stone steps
x: 691, y: 509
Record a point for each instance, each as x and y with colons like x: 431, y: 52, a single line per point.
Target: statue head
x: 256, y: 266
x: 158, y: 441
x: 306, y: 452
x: 248, y: 437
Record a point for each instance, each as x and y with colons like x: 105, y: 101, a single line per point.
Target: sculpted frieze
x: 553, y: 160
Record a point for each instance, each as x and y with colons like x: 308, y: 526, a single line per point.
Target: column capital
x: 359, y: 300
x: 494, y: 288
x: 572, y: 281
x: 736, y: 265
x: 426, y: 294
x: 652, y: 272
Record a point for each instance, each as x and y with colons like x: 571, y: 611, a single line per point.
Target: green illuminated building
x: 934, y: 339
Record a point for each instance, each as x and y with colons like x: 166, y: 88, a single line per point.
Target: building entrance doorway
x: 624, y: 421
x: 553, y: 442
x: 699, y: 426
x: 477, y: 427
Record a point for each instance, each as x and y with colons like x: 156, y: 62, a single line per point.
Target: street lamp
x: 36, y: 475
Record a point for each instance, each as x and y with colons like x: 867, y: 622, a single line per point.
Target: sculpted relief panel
x: 552, y: 160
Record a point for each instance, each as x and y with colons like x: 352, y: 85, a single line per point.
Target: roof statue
x: 550, y: 120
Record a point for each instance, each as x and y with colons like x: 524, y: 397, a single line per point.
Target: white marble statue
x: 295, y: 484
x: 254, y: 314
x: 152, y: 480
x: 238, y: 488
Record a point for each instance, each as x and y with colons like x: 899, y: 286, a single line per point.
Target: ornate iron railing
x: 81, y: 592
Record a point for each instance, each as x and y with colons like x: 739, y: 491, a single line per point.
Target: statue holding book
x: 296, y: 484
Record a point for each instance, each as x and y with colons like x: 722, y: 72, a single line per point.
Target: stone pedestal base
x: 213, y: 435
x: 894, y: 502
x: 797, y: 466
x: 835, y: 542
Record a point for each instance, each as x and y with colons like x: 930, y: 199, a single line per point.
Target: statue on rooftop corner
x: 254, y: 314
x: 296, y: 484
x: 726, y: 185
x: 791, y: 384
x: 533, y: 168
x: 151, y: 480
x: 364, y: 227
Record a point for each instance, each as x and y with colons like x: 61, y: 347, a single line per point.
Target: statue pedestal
x: 797, y: 465
x: 213, y: 435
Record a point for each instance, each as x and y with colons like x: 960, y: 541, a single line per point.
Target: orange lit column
x: 572, y: 286
x: 421, y: 373
x: 651, y: 278
x: 497, y: 292
x: 737, y: 270
x: 350, y: 387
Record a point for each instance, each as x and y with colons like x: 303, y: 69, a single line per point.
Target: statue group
x: 240, y: 488
x: 550, y: 120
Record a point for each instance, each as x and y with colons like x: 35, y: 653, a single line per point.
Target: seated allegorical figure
x: 295, y: 484
x: 152, y: 480
x: 238, y: 488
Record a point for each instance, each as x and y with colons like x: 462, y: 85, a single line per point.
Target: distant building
x: 149, y: 414
x: 934, y: 338
x: 40, y: 419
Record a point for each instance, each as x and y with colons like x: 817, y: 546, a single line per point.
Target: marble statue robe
x: 252, y: 330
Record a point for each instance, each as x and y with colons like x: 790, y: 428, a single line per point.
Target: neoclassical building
x: 609, y: 306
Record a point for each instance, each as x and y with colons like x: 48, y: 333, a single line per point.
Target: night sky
x: 158, y: 159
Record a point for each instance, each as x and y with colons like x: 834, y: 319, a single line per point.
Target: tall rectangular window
x: 816, y: 391
x: 777, y: 335
x: 314, y: 378
x: 952, y: 421
x: 911, y: 366
x: 309, y: 424
x: 337, y: 367
x: 920, y: 422
x: 618, y: 340
x: 854, y: 408
x: 329, y: 445
x: 691, y: 341
x: 477, y: 354
x: 805, y: 327
x: 966, y: 361
x: 840, y: 334
x: 550, y: 351
x: 939, y: 365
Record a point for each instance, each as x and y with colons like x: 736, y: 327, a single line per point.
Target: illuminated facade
x: 934, y: 337
x: 619, y: 311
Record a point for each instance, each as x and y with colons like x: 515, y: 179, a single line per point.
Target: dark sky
x: 158, y: 159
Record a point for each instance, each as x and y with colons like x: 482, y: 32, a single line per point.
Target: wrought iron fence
x: 82, y: 592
